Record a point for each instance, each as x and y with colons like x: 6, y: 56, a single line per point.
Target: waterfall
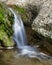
x: 21, y: 40
x: 19, y: 31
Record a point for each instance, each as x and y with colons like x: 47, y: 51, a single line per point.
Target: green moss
x: 6, y: 21
x: 22, y: 12
x: 19, y: 9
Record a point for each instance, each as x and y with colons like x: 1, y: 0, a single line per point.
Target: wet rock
x: 23, y: 13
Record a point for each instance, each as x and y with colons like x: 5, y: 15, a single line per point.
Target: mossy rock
x: 28, y: 13
x: 24, y: 13
x: 6, y: 21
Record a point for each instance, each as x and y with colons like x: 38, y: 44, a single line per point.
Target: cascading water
x: 19, y: 32
x: 21, y: 41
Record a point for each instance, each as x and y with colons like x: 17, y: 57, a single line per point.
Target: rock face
x: 16, y: 2
x: 24, y: 2
x: 6, y: 21
x: 43, y: 22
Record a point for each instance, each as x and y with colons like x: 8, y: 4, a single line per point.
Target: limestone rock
x: 43, y: 22
x: 23, y: 2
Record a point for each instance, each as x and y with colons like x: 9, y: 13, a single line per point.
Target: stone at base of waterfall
x: 8, y: 48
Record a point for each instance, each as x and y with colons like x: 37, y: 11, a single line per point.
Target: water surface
x: 9, y: 57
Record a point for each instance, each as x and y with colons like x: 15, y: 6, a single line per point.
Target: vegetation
x: 23, y: 13
x: 6, y: 21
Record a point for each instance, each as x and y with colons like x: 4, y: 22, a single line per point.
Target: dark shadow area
x: 33, y: 12
x: 2, y: 43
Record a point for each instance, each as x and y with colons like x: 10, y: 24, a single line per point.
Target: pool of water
x: 10, y: 57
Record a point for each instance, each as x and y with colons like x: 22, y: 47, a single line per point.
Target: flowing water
x: 21, y: 40
x: 7, y: 57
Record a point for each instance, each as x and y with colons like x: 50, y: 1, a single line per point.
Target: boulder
x: 43, y: 22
